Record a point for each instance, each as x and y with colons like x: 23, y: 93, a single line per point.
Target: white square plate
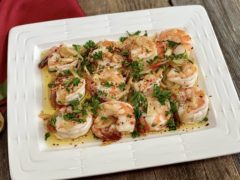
x: 28, y: 155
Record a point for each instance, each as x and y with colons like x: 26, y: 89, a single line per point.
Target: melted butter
x: 53, y: 141
x: 46, y: 78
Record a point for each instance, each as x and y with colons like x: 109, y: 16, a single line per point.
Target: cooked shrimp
x: 109, y: 57
x: 185, y: 75
x: 73, y: 127
x: 145, y: 85
x: 68, y: 89
x: 140, y: 47
x: 157, y: 115
x: 107, y: 83
x: 114, y: 119
x: 66, y: 58
x: 174, y: 41
x: 193, y: 105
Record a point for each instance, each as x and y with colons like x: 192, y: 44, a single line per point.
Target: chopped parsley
x: 137, y: 68
x: 205, y: 119
x: 110, y: 49
x: 173, y: 106
x: 52, y: 121
x: 177, y: 56
x: 125, y: 53
x: 104, y: 118
x: 145, y: 33
x: 134, y: 34
x: 122, y: 39
x: 94, y: 104
x: 76, y: 47
x: 67, y: 72
x: 98, y: 55
x: 47, y: 135
x: 73, y: 117
x: 101, y: 93
x: 51, y: 85
x: 161, y: 95
x: 75, y: 81
x: 172, y: 44
x: 171, y: 125
x: 108, y: 84
x: 122, y: 86
x: 150, y: 61
x: 74, y: 102
x: 135, y: 134
x: 89, y: 44
x: 139, y: 102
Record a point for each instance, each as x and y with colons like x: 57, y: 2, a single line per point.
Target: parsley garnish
x: 137, y: 68
x: 135, y: 134
x: 150, y: 61
x: 52, y: 121
x: 74, y: 102
x: 101, y: 93
x: 104, y: 118
x: 138, y: 100
x: 47, y: 135
x: 125, y: 53
x: 51, y: 85
x: 73, y: 117
x: 97, y: 55
x: 173, y: 106
x: 172, y: 44
x: 178, y: 56
x: 67, y: 72
x: 171, y: 125
x: 89, y: 44
x: 110, y: 49
x: 122, y: 39
x: 76, y: 47
x: 75, y: 81
x: 122, y: 86
x: 108, y: 84
x: 134, y: 34
x: 161, y: 95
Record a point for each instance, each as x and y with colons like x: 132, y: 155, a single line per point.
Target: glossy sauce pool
x: 52, y: 141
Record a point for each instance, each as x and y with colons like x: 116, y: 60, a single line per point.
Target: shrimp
x: 66, y: 58
x: 67, y: 89
x: 109, y: 57
x: 185, y: 76
x: 193, y: 105
x: 145, y: 85
x: 140, y: 47
x: 107, y: 83
x: 69, y: 125
x: 174, y: 41
x: 157, y: 114
x: 114, y: 119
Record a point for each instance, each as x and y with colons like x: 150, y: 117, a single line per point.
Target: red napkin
x: 18, y: 12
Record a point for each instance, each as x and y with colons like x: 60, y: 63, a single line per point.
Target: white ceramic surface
x: 29, y: 156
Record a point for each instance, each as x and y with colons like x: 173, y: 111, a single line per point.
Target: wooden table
x: 225, y: 17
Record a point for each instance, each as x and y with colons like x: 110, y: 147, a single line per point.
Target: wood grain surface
x: 225, y: 17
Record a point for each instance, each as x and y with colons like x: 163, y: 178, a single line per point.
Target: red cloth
x: 18, y: 12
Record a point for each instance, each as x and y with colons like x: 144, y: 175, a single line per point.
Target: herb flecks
x: 89, y: 44
x: 47, y: 135
x: 137, y: 68
x: 76, y: 47
x: 171, y: 125
x: 172, y: 44
x: 98, y: 55
x: 161, y: 95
